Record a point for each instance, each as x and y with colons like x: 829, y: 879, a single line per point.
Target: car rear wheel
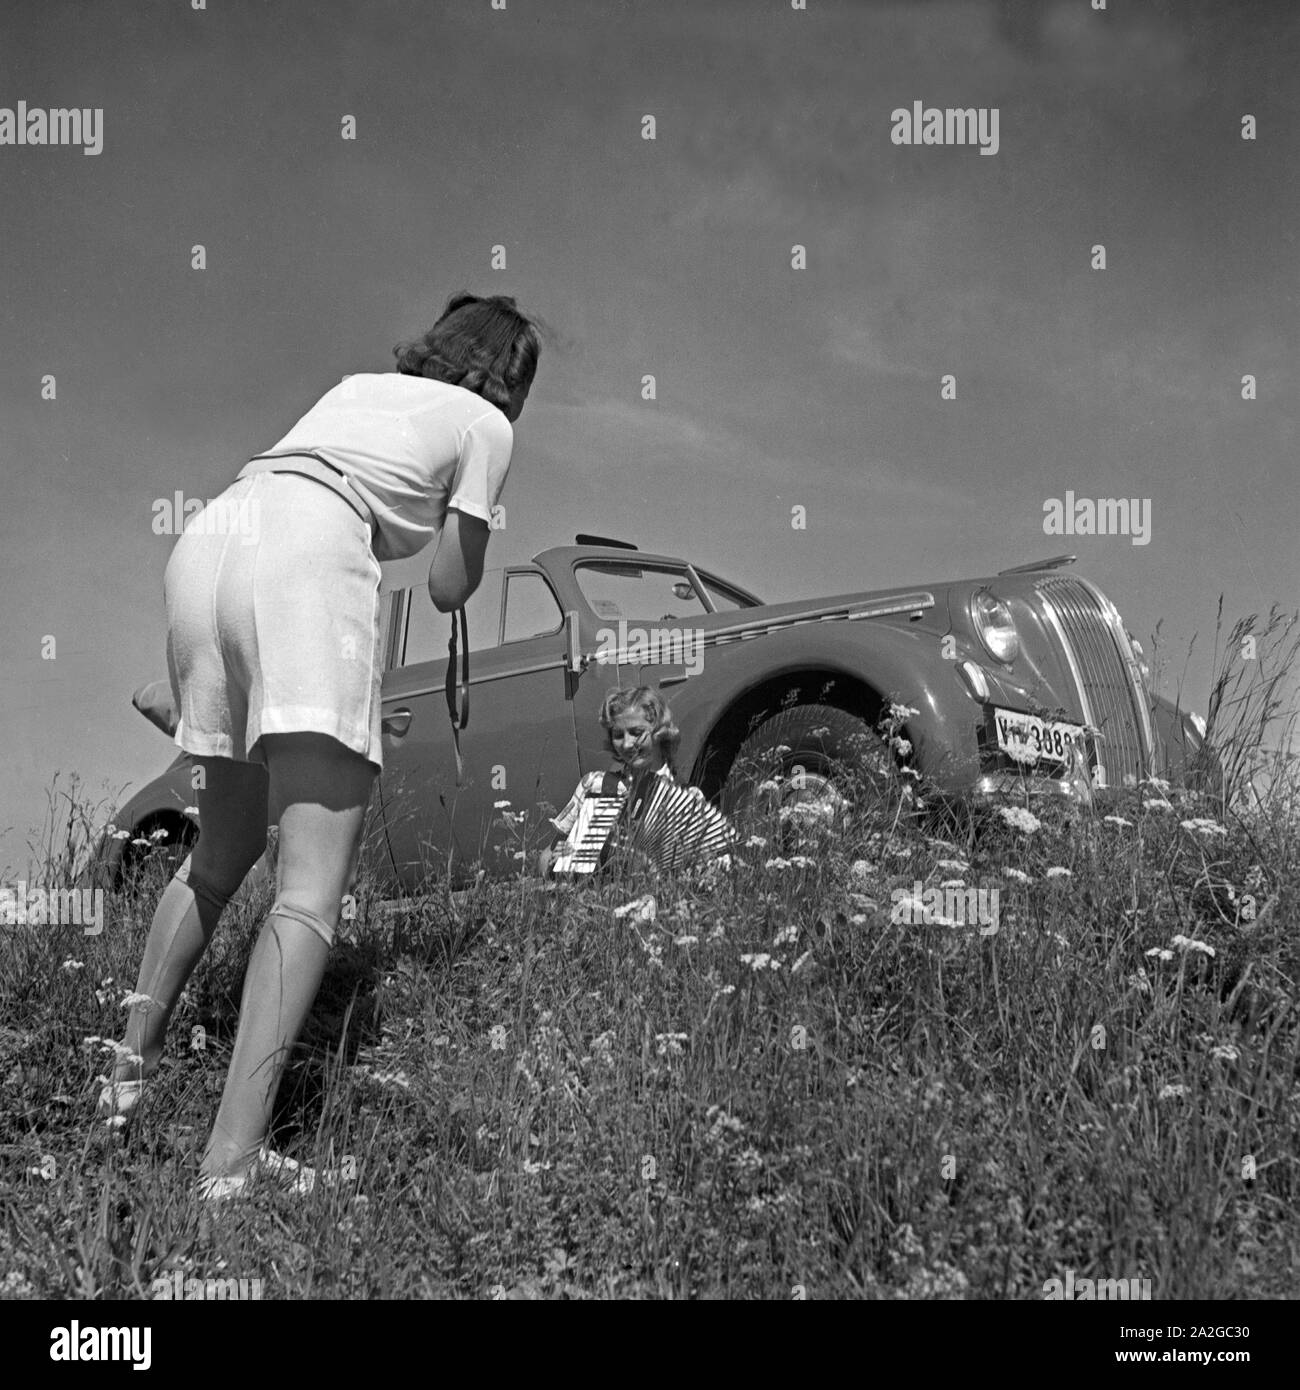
x: 812, y: 763
x: 163, y: 855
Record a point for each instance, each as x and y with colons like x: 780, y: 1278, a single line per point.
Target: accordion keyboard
x: 597, y: 817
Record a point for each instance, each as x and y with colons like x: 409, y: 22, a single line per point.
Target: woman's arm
x: 457, y: 567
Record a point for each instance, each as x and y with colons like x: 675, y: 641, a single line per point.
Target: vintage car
x: 1023, y: 683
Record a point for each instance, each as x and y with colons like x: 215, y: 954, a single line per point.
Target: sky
x: 775, y: 386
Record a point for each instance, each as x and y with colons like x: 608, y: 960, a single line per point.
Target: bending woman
x: 273, y: 654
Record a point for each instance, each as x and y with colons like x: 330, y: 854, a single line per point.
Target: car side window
x: 427, y: 630
x: 616, y: 589
x: 532, y: 609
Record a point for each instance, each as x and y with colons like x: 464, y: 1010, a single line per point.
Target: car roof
x: 564, y: 556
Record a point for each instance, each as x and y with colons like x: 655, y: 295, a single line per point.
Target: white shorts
x: 273, y: 621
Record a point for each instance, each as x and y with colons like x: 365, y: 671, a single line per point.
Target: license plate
x: 1027, y: 738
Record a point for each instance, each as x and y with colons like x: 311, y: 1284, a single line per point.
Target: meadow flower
x: 760, y: 961
x: 670, y: 1044
x: 115, y: 1122
x: 755, y: 842
x: 901, y: 712
x: 857, y: 918
x: 1224, y: 1052
x: 138, y: 1001
x: 392, y: 1078
x: 642, y: 909
x: 1169, y: 1092
x: 1157, y: 803
x: 1140, y: 981
x: 790, y: 932
x: 71, y: 964
x: 1117, y: 820
x: 1056, y: 871
x: 1158, y: 783
x: 1187, y: 943
x: 123, y: 835
x: 189, y: 810
x: 1203, y: 826
x: 500, y: 805
x: 1160, y: 953
x: 140, y: 840
x: 685, y: 940
x: 1019, y: 875
x: 720, y: 1123
x: 860, y: 868
x: 801, y: 861
x: 777, y: 863
x: 1018, y: 818
x: 769, y: 785
x: 957, y: 865
x: 726, y: 989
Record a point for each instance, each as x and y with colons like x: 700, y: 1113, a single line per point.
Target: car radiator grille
x: 1107, y: 686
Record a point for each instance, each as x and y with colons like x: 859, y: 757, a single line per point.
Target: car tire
x: 166, y: 857
x: 840, y: 755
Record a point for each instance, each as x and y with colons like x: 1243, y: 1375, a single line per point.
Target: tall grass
x: 758, y: 1085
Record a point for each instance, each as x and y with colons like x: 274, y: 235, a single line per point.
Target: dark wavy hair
x: 483, y: 344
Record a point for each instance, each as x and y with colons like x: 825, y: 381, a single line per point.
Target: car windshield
x: 723, y: 597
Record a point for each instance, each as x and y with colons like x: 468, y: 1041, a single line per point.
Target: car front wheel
x: 812, y: 762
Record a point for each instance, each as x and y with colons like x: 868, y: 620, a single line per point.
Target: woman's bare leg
x: 232, y: 835
x: 321, y: 791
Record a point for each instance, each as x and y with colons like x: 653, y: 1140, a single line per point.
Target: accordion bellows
x: 671, y: 825
x: 675, y: 826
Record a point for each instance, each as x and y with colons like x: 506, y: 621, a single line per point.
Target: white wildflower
x: 642, y: 909
x: 1169, y: 1092
x: 1117, y: 820
x: 1056, y: 871
x: 1018, y: 818
x: 1187, y: 943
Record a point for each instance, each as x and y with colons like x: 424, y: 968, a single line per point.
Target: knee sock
x: 183, y: 924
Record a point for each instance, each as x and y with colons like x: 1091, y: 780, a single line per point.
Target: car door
x: 518, y: 745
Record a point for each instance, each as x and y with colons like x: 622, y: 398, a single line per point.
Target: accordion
x: 674, y: 826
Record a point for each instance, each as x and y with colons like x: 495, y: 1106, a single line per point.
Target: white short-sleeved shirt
x: 413, y: 448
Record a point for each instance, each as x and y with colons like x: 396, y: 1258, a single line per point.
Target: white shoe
x: 286, y: 1174
x: 118, y: 1099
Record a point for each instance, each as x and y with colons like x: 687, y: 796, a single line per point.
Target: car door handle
x: 397, y: 722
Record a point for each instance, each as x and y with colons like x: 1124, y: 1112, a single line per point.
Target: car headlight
x: 1143, y: 664
x: 993, y: 623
